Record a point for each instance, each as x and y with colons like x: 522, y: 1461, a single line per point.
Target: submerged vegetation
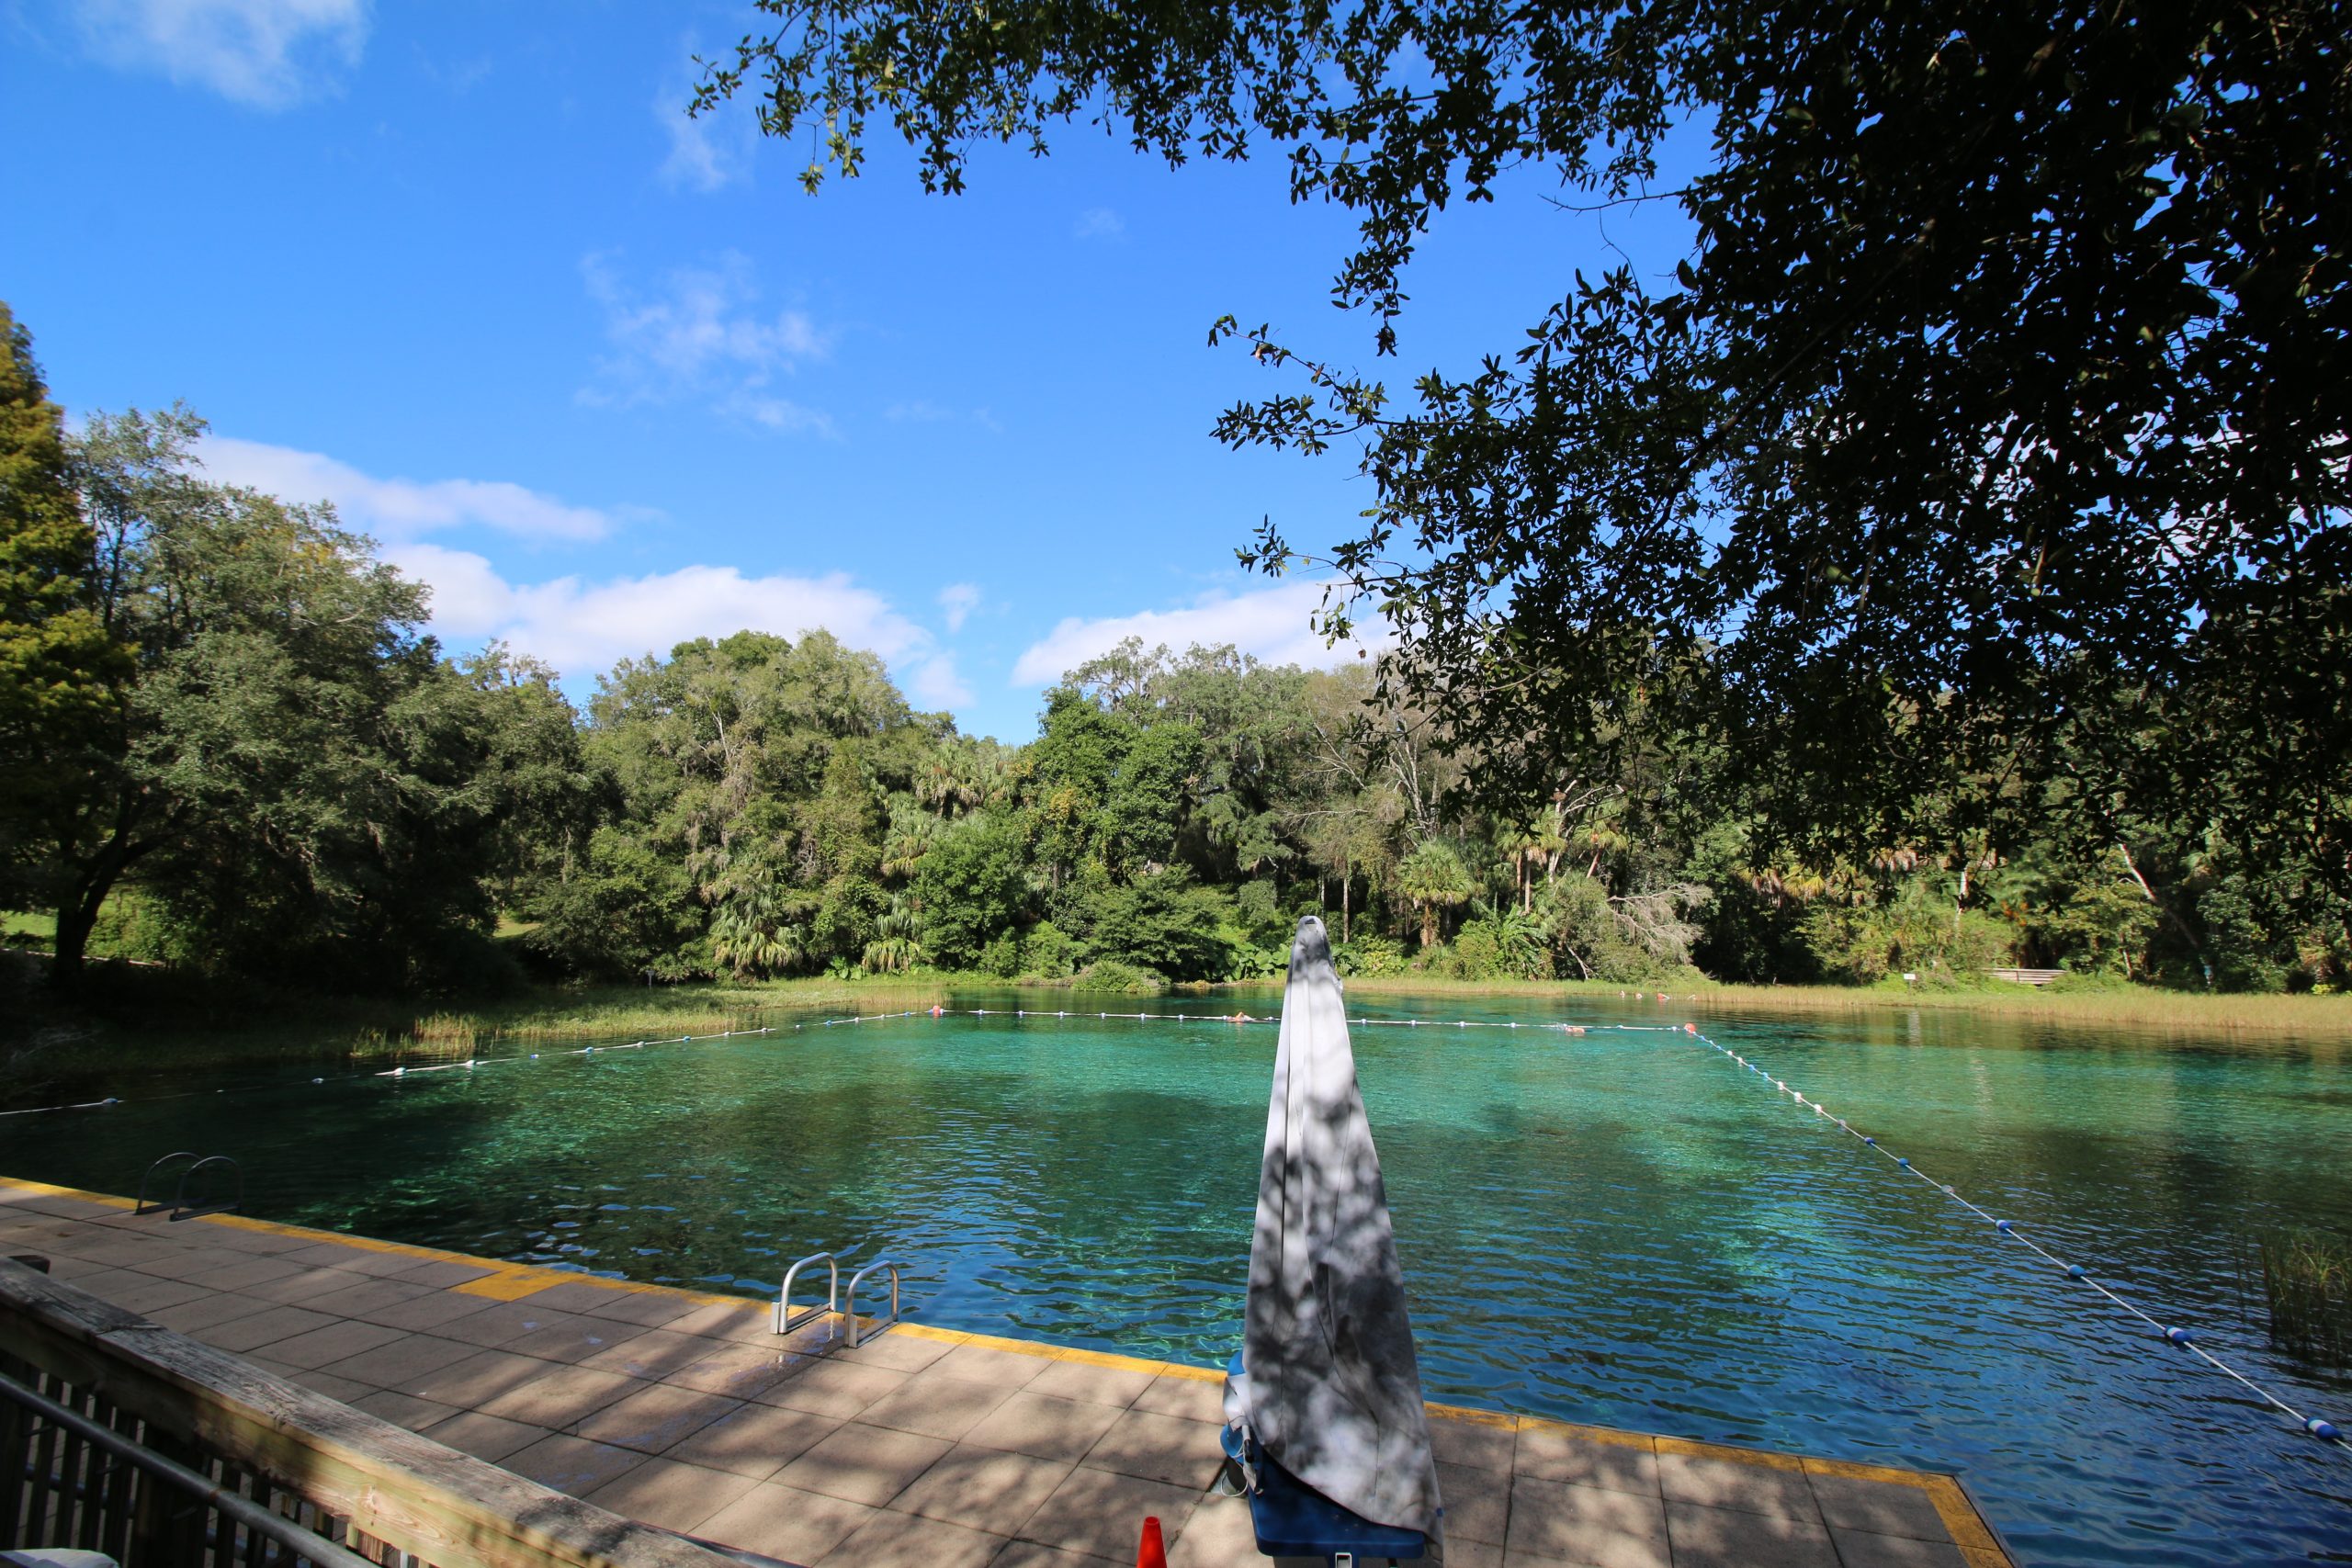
x: 2307, y: 1285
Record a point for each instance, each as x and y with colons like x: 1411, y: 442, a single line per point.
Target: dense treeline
x: 229, y: 739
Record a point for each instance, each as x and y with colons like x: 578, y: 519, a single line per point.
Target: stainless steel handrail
x: 784, y: 1322
x: 142, y: 1206
x: 180, y: 1206
x: 304, y: 1545
x: 849, y: 1304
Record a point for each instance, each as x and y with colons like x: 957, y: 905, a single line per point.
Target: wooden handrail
x: 447, y: 1509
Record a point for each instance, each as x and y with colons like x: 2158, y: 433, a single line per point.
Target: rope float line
x: 2172, y: 1335
x: 2175, y: 1335
x: 822, y: 1023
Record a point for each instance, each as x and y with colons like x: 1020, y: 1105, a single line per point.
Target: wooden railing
x: 231, y: 1437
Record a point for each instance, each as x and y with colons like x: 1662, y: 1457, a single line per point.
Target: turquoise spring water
x: 1616, y: 1227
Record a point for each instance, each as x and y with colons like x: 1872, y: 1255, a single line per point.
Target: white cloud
x: 706, y: 151
x: 958, y: 601
x: 584, y: 629
x: 1099, y: 223
x: 700, y: 336
x: 1273, y: 624
x: 921, y: 411
x: 935, y: 683
x: 267, y: 53
x: 779, y: 413
x: 396, y: 509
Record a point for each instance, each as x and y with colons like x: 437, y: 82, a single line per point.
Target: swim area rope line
x: 2180, y: 1337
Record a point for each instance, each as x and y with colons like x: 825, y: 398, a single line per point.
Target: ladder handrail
x: 784, y: 1322
x: 849, y: 1304
x: 142, y: 1206
x: 180, y: 1209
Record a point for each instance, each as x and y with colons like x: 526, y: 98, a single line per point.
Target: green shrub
x: 971, y: 887
x: 1000, y: 957
x: 133, y: 923
x: 1164, y: 923
x: 1048, y: 952
x: 1504, y: 944
x: 1257, y: 914
x: 1261, y: 962
x: 1121, y: 979
x: 1370, y: 955
x: 624, y: 910
x: 1915, y: 931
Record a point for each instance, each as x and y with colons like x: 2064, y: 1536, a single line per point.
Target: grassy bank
x: 2136, y: 1007
x: 141, y: 1022
x: 138, y: 1022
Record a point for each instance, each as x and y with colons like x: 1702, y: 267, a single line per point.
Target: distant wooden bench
x: 2026, y: 976
x: 356, y: 1484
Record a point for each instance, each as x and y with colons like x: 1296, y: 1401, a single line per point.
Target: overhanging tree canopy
x: 1989, y: 443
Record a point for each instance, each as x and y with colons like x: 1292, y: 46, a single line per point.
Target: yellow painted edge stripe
x: 1495, y: 1418
x: 1059, y: 1352
x: 48, y: 1190
x: 1958, y: 1515
x: 1612, y: 1435
x: 1760, y: 1457
x: 504, y: 1281
x: 508, y: 1282
x: 1852, y: 1469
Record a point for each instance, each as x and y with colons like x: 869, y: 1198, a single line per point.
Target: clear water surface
x: 1620, y: 1228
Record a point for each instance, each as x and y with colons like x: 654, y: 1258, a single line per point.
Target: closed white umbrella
x: 1331, y: 1388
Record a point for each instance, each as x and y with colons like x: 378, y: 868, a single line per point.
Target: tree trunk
x: 1344, y: 881
x: 78, y: 912
x: 1428, y: 925
x: 74, y: 925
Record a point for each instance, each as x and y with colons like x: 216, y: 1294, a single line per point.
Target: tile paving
x: 921, y: 1445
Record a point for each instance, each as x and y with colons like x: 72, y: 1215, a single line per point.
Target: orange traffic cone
x: 1153, y: 1554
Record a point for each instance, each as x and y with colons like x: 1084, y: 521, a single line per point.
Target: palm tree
x: 752, y: 934
x: 1433, y: 877
x: 894, y: 947
x: 910, y: 836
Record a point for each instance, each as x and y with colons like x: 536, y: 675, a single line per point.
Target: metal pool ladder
x: 786, y: 1320
x: 181, y: 1208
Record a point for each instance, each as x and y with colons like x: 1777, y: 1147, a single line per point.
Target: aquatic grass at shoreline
x: 157, y: 1033
x: 2311, y: 1017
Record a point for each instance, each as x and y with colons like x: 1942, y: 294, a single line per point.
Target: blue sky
x: 606, y: 379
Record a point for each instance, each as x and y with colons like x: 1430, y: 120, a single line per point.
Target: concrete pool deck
x: 923, y: 1446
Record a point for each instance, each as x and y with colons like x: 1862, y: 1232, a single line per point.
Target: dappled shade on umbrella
x: 1331, y: 1389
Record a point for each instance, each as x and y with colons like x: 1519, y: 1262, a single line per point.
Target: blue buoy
x: 2000, y: 1225
x: 2319, y: 1428
x: 535, y: 1055
x: 2180, y: 1335
x: 1871, y: 1142
x: 1904, y: 1163
x: 2074, y: 1271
